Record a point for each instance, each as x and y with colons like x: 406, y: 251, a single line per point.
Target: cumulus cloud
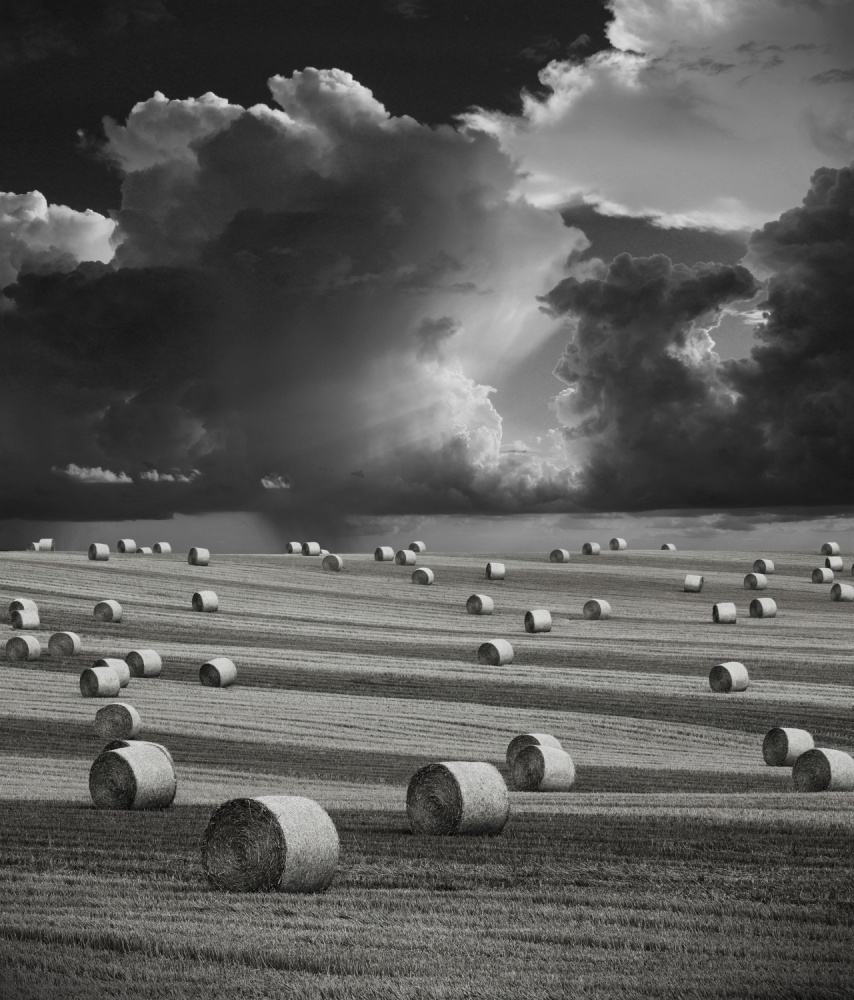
x: 176, y: 476
x: 81, y: 474
x: 275, y: 482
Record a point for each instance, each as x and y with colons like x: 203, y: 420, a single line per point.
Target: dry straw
x: 457, y: 797
x: 765, y: 566
x: 495, y: 571
x: 99, y: 552
x: 120, y: 666
x: 824, y: 770
x: 218, y: 672
x: 118, y: 721
x: 727, y: 677
x: 161, y: 549
x: 538, y: 620
x: 782, y: 746
x: 126, y: 545
x: 119, y: 744
x: 144, y: 663
x: 418, y: 547
x: 46, y: 545
x: 333, y: 562
x: 424, y: 576
x: 693, y: 583
x: 205, y: 600
x: 108, y: 611
x: 32, y: 546
x: 542, y: 769
x: 23, y: 647
x: 596, y: 610
x: 294, y: 548
x: 480, y: 604
x: 526, y: 740
x: 324, y: 552
x: 64, y: 644
x: 590, y: 549
x: 22, y: 604
x: 99, y: 682
x: 144, y: 550
x: 25, y: 619
x: 495, y: 652
x: 755, y: 581
x: 199, y: 557
x: 835, y: 563
x: 822, y: 575
x: 384, y: 553
x: 405, y: 557
x: 559, y: 556
x: 618, y: 544
x: 830, y: 549
x: 668, y: 547
x: 763, y: 607
x: 283, y: 843
x: 842, y: 592
x: 311, y: 548
x: 724, y: 613
x: 138, y: 776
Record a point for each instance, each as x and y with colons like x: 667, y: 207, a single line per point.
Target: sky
x: 500, y: 272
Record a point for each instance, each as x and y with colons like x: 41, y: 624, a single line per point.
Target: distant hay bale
x: 118, y: 744
x: 119, y: 666
x: 480, y: 604
x: 822, y: 575
x: 538, y: 620
x: 99, y: 552
x: 842, y: 592
x: 108, y: 611
x: 32, y: 546
x: 495, y: 571
x: 668, y: 547
x: 199, y: 557
x: 824, y: 770
x: 218, y: 672
x: 495, y: 652
x: 118, y: 721
x: 542, y: 769
x: 294, y: 548
x: 755, y: 581
x: 727, y: 677
x: 596, y: 610
x: 724, y: 613
x: 284, y: 843
x: 161, y: 549
x: 559, y: 556
x: 763, y: 607
x: 526, y: 740
x: 834, y: 563
x: 323, y: 552
x: 830, y: 549
x: 457, y: 797
x: 384, y: 553
x: 765, y: 566
x: 23, y: 647
x: 782, y: 746
x: 618, y: 544
x: 417, y: 547
x: 590, y: 549
x: 47, y: 545
x: 138, y: 776
x: 405, y: 557
x: 144, y: 663
x: 333, y: 562
x: 126, y: 545
x: 311, y: 548
x: 205, y: 600
x: 99, y: 682
x: 693, y: 583
x: 25, y: 619
x: 22, y: 604
x: 64, y: 644
x: 144, y: 550
x: 423, y: 576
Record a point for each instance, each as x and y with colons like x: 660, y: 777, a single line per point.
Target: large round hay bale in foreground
x: 724, y: 613
x: 161, y: 549
x: 559, y: 556
x: 457, y: 797
x: 480, y: 604
x: 822, y: 575
x: 199, y: 557
x: 405, y: 557
x: 118, y: 721
x: 842, y: 592
x: 138, y: 776
x: 618, y: 545
x: 782, y: 746
x: 284, y: 843
x: 596, y: 609
x: 590, y: 549
x: 311, y: 548
x: 127, y: 545
x: 144, y: 663
x: 824, y: 770
x: 64, y: 644
x: 835, y: 563
x: 495, y: 652
x: 108, y: 611
x: 99, y: 682
x: 763, y: 607
x: 47, y: 545
x: 765, y: 566
x: 830, y: 549
x: 384, y: 553
x: 542, y: 769
x: 99, y: 552
x: 526, y: 740
x: 333, y: 562
x: 25, y: 619
x: 538, y: 620
x: 22, y: 604
x: 218, y: 672
x: 423, y: 576
x: 495, y: 571
x: 727, y: 677
x: 417, y: 547
x: 293, y: 548
x: 119, y: 666
x: 23, y: 647
x: 755, y: 581
x: 693, y: 583
x: 668, y: 547
x: 205, y: 600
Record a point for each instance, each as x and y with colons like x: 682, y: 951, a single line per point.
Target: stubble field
x: 679, y: 866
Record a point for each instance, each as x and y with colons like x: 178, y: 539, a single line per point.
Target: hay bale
x: 144, y: 663
x: 822, y: 575
x: 405, y: 557
x: 384, y: 553
x: 64, y: 644
x: 218, y: 672
x: 668, y: 547
x: 495, y: 652
x: 782, y: 746
x: 763, y: 607
x: 495, y: 571
x: 127, y: 545
x: 693, y: 583
x: 417, y: 547
x: 824, y: 770
x: 120, y: 666
x: 144, y: 550
x: 118, y: 744
x: 841, y: 592
x: 22, y: 604
x: 32, y: 546
x: 538, y: 620
x: 765, y: 566
x: 590, y: 549
x: 724, y: 613
x: 108, y: 611
x: 118, y: 721
x: 99, y: 682
x: 457, y: 797
x: 99, y: 552
x: 324, y: 552
x: 755, y: 581
x: 293, y: 548
x: 727, y: 677
x: 480, y: 604
x: 199, y: 557
x: 311, y: 548
x: 424, y: 576
x: 46, y: 545
x: 25, y: 619
x: 559, y: 556
x: 23, y: 647
x: 542, y: 769
x: 618, y: 544
x: 161, y: 549
x: 138, y: 776
x: 526, y: 740
x: 205, y: 600
x: 333, y: 562
x: 284, y: 843
x: 834, y: 563
x: 831, y: 549
x: 596, y: 610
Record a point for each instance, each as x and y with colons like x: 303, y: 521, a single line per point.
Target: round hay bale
x: 417, y: 547
x: 138, y: 776
x: 590, y: 549
x: 118, y: 744
x: 324, y: 552
x: 559, y: 556
x: 405, y: 557
x: 727, y: 677
x: 457, y: 797
x: 47, y: 545
x: 333, y: 562
x: 283, y: 843
x: 199, y: 557
x: 118, y: 721
x: 495, y: 571
x: 824, y: 770
x: 765, y: 566
x: 830, y: 549
x: 32, y: 546
x: 22, y: 604
x: 108, y: 611
x: 668, y: 547
x: 25, y: 619
x: 693, y: 583
x: 782, y: 747
x: 127, y: 545
x: 480, y: 604
x: 542, y: 769
x: 64, y: 644
x: 822, y: 575
x: 424, y: 576
x: 218, y: 672
x: 841, y: 592
x: 834, y: 563
x: 755, y: 581
x: 294, y: 548
x: 495, y: 652
x: 618, y: 544
x: 526, y: 740
x: 119, y: 666
x: 99, y: 682
x: 724, y: 613
x: 99, y: 552
x: 596, y: 610
x: 205, y: 600
x: 763, y: 607
x: 311, y: 548
x: 161, y: 549
x: 23, y: 647
x: 144, y: 663
x: 384, y: 553
x: 144, y: 550
x: 538, y: 620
